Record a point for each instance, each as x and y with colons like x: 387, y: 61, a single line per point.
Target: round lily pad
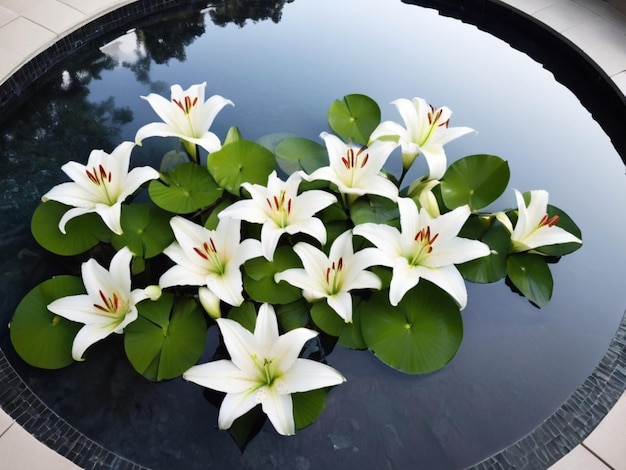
x: 420, y: 335
x: 82, y: 233
x: 477, y: 180
x: 354, y: 118
x: 146, y: 229
x: 167, y: 338
x: 242, y: 161
x: 42, y: 338
x: 185, y: 189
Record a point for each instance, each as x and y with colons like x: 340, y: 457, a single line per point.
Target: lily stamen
x: 550, y: 222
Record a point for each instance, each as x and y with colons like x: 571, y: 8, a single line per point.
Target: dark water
x: 517, y: 364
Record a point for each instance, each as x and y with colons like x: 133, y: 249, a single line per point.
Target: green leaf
x: 259, y: 277
x: 297, y: 153
x: 185, y: 189
x: 146, y: 229
x: 82, y: 233
x: 245, y: 315
x: 326, y: 319
x: 490, y: 268
x: 531, y: 274
x: 351, y: 336
x: 477, y: 180
x: 566, y: 223
x: 42, y: 338
x: 420, y: 335
x: 239, y: 162
x: 374, y: 209
x: 293, y: 315
x: 167, y: 338
x: 307, y: 406
x: 355, y: 118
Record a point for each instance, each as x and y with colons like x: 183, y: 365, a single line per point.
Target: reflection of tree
x: 239, y: 11
x: 167, y: 40
x: 57, y: 123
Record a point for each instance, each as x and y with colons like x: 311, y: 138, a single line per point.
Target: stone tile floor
x: 597, y: 27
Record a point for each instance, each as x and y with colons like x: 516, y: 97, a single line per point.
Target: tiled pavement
x: 28, y: 27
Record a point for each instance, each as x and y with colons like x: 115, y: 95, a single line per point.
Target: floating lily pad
x: 326, y: 319
x: 477, y: 180
x: 374, y: 209
x: 242, y: 161
x: 146, y: 229
x: 307, y: 406
x: 297, y: 153
x: 531, y: 274
x: 293, y: 315
x: 354, y: 118
x: 185, y: 189
x: 245, y: 315
x: 82, y: 233
x: 167, y: 338
x: 259, y: 277
x: 42, y: 338
x: 422, y: 334
x: 489, y: 268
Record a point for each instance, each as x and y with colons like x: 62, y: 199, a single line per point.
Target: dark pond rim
x: 568, y: 426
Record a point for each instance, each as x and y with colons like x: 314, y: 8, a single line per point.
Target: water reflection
x: 517, y: 364
x: 240, y: 11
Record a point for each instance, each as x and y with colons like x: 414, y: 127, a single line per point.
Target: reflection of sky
x: 282, y: 77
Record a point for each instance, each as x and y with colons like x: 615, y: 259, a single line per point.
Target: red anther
x: 367, y: 156
x: 345, y: 162
x: 432, y: 240
x: 553, y: 221
x: 289, y: 206
x: 340, y: 264
x: 276, y: 202
x: 116, y: 302
x: 100, y: 307
x: 213, y: 245
x: 179, y: 104
x: 200, y: 253
x: 445, y: 123
x: 327, y: 275
x: 269, y: 203
x: 351, y: 155
x: 92, y: 177
x: 543, y: 221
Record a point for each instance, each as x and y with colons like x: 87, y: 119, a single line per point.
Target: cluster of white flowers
x: 264, y: 366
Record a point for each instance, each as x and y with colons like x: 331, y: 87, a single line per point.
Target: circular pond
x: 282, y: 65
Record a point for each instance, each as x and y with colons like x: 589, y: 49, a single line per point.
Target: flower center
x: 334, y: 277
x: 280, y: 207
x: 423, y: 244
x: 186, y: 104
x: 101, y: 178
x: 550, y: 222
x: 355, y: 161
x: 112, y: 305
x: 208, y: 252
x: 434, y: 116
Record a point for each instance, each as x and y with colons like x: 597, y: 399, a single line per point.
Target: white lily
x: 356, y: 170
x: 100, y: 186
x: 425, y: 248
x: 426, y: 132
x: 264, y: 368
x: 186, y: 116
x: 334, y: 276
x: 108, y: 306
x: 209, y: 258
x: 281, y: 210
x: 534, y: 228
